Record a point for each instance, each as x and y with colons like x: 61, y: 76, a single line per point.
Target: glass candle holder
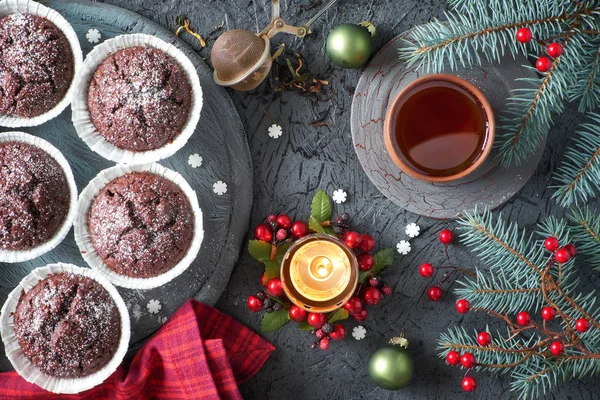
x: 319, y: 273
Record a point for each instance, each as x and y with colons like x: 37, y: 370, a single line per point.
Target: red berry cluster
x: 279, y: 228
x: 554, y: 49
x: 435, y: 293
x: 468, y: 361
x: 371, y: 295
x: 328, y: 332
x: 268, y: 302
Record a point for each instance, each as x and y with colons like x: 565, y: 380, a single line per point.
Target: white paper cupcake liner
x: 31, y: 7
x: 81, y: 117
x: 13, y: 256
x: 82, y: 235
x: 21, y: 363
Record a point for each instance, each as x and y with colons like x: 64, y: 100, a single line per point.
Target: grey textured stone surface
x: 288, y: 171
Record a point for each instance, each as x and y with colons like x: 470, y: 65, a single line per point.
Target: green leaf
x: 275, y: 320
x: 339, y: 315
x: 305, y: 326
x: 259, y: 250
x: 383, y: 259
x: 321, y: 207
x: 315, y: 225
x: 272, y: 270
x: 281, y: 250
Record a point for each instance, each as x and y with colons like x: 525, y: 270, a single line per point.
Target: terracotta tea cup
x: 391, y: 141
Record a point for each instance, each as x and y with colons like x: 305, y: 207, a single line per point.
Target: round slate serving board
x: 490, y: 186
x: 219, y: 139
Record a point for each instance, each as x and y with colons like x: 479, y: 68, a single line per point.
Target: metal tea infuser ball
x: 242, y: 60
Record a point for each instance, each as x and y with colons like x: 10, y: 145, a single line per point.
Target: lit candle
x: 319, y: 273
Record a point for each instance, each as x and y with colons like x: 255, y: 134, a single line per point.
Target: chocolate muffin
x: 141, y: 225
x: 36, y: 65
x: 34, y: 196
x: 68, y: 325
x: 139, y: 99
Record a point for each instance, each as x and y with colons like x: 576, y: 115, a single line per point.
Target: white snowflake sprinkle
x: 339, y: 196
x: 93, y: 35
x: 153, y: 306
x: 220, y: 188
x: 413, y: 230
x: 359, y: 332
x: 162, y: 320
x: 275, y: 131
x: 403, y: 247
x: 195, y: 160
x: 136, y: 312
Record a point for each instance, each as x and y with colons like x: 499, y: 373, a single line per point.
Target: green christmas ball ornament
x: 350, y: 45
x: 392, y: 367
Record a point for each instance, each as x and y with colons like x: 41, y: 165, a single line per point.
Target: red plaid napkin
x: 200, y: 353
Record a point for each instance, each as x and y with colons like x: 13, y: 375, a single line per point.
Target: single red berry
x: 557, y: 348
x: 373, y: 281
x: 316, y: 320
x: 543, y: 64
x: 551, y: 244
x: 365, y: 262
x: 484, y: 338
x: 523, y: 318
x: 453, y: 358
x: 372, y: 296
x: 426, y: 270
x: 353, y: 239
x: 360, y: 315
x: 435, y: 293
x: 297, y: 314
x: 446, y: 237
x: 263, y: 232
x: 281, y: 235
x: 555, y: 49
x: 572, y: 249
x: 548, y: 313
x: 468, y: 360
x: 463, y: 306
x: 339, y: 332
x: 254, y: 304
x: 524, y: 35
x: 320, y: 334
x: 386, y: 290
x: 271, y: 218
x: 274, y: 287
x: 324, y: 343
x: 353, y: 305
x: 367, y: 243
x: 263, y: 280
x: 582, y: 325
x: 562, y: 255
x: 299, y: 229
x: 469, y: 384
x: 284, y: 221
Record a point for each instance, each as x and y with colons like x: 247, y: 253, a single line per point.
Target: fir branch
x: 587, y: 88
x: 517, y: 262
x: 520, y: 132
x: 579, y: 175
x: 586, y: 233
x: 502, y: 246
x: 503, y: 292
x: 487, y: 30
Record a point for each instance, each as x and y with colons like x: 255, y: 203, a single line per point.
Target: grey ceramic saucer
x: 490, y: 186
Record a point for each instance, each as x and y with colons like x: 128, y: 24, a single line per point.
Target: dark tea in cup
x: 439, y: 128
